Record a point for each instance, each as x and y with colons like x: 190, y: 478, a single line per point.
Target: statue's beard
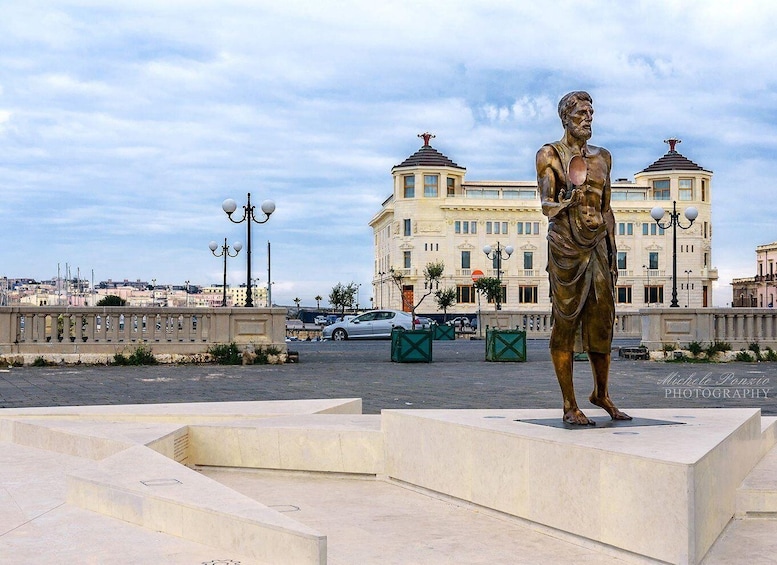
x: 581, y: 133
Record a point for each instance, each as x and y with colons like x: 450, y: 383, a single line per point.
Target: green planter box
x: 505, y: 345
x: 444, y: 333
x: 411, y: 346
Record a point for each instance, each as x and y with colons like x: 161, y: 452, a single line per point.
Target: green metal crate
x: 505, y: 345
x: 444, y: 333
x: 411, y: 346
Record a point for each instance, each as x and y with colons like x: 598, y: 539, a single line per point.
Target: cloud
x: 123, y: 126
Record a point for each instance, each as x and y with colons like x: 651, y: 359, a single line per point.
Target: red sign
x: 477, y: 274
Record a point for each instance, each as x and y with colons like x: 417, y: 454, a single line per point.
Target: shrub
x: 262, y: 354
x: 669, y: 347
x: 39, y: 362
x: 717, y: 346
x: 141, y: 356
x: 695, y: 348
x: 771, y: 354
x: 744, y: 356
x: 224, y: 354
x: 756, y: 349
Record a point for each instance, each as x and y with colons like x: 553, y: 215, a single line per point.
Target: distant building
x: 435, y: 214
x: 758, y: 291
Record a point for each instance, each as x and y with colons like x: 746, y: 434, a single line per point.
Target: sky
x: 125, y: 125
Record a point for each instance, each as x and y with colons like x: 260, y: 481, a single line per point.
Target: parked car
x: 320, y: 321
x: 375, y: 324
x: 459, y: 322
x: 422, y: 323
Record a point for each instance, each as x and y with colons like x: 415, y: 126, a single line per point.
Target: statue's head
x: 576, y: 112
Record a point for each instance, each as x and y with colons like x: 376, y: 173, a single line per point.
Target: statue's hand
x: 575, y: 198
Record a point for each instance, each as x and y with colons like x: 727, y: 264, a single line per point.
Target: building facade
x: 435, y: 214
x: 758, y: 291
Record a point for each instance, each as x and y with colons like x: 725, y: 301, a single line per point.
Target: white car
x: 320, y: 320
x: 375, y: 324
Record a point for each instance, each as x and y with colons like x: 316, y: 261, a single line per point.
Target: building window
x: 653, y: 260
x: 685, y: 189
x: 407, y: 226
x: 661, y: 190
x: 527, y: 295
x: 465, y: 227
x: 409, y: 186
x: 528, y: 260
x: 654, y: 294
x: 623, y: 295
x: 451, y: 183
x: 431, y: 184
x: 622, y: 260
x: 651, y: 229
x: 625, y: 228
x: 406, y: 256
x: 519, y: 228
x: 465, y: 257
x: 703, y: 190
x: 465, y: 294
x: 489, y: 229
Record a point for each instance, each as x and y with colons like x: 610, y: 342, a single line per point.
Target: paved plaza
x: 458, y: 377
x: 70, y: 472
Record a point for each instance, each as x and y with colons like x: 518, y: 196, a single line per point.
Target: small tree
x: 318, y: 300
x: 445, y: 299
x: 112, y: 300
x: 491, y: 287
x: 432, y: 275
x: 297, y: 301
x: 342, y: 296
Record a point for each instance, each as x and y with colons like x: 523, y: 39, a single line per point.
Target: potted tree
x: 408, y: 346
x: 445, y: 298
x: 501, y: 345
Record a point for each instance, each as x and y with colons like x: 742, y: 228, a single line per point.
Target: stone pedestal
x: 664, y: 492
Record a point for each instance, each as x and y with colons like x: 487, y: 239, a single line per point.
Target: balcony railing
x: 63, y: 329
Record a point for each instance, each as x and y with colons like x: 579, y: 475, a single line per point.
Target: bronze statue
x: 574, y: 182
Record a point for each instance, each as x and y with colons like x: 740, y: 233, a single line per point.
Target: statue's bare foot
x: 609, y: 407
x: 576, y: 417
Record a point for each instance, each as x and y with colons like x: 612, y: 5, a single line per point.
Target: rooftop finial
x: 672, y: 141
x: 426, y: 137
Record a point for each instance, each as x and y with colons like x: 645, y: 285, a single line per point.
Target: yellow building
x: 435, y: 214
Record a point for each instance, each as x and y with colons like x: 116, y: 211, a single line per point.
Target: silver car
x: 375, y: 324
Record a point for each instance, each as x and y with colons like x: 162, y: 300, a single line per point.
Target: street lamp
x: 657, y: 214
x: 688, y: 287
x: 237, y: 246
x: 498, y: 255
x: 187, y: 292
x: 268, y: 207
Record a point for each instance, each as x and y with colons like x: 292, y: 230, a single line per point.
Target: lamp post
x: 657, y: 214
x: 237, y: 246
x: 688, y: 287
x: 498, y: 255
x: 187, y: 292
x: 268, y: 207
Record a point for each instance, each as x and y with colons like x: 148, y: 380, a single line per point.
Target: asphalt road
x: 459, y: 377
